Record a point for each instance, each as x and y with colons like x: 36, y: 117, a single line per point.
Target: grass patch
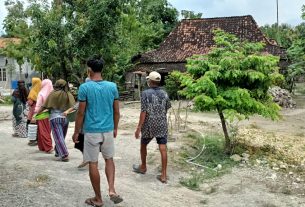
x: 214, y: 159
x: 7, y: 101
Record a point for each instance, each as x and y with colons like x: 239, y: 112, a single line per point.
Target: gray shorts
x: 98, y: 142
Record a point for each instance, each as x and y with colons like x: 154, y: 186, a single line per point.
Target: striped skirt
x: 59, y: 130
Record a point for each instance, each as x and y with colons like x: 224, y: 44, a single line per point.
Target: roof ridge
x: 212, y: 18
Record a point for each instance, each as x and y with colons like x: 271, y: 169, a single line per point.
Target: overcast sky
x: 263, y: 11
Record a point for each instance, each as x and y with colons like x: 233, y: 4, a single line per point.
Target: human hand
x: 65, y: 113
x: 115, y: 133
x: 33, y: 121
x: 75, y: 137
x: 137, y: 133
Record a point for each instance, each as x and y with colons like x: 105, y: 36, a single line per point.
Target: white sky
x: 263, y: 11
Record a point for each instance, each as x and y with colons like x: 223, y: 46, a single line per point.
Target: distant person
x: 98, y: 115
x: 19, y: 98
x: 44, y: 128
x: 59, y: 100
x: 32, y: 99
x: 153, y: 123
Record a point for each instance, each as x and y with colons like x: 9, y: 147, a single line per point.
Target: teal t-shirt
x: 99, y: 97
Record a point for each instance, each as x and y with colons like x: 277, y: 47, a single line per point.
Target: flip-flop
x: 137, y: 169
x: 50, y: 151
x: 66, y: 159
x: 90, y: 202
x: 83, y: 164
x: 161, y: 180
x: 116, y: 198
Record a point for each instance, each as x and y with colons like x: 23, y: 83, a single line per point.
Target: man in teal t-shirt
x: 98, y: 115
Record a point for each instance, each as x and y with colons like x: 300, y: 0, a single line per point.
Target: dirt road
x: 29, y: 178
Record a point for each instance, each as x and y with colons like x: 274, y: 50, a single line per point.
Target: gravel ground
x: 34, y: 179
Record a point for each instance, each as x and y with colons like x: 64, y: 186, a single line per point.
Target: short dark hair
x: 154, y: 83
x: 96, y: 63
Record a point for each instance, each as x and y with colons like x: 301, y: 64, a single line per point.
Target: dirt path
x: 31, y: 178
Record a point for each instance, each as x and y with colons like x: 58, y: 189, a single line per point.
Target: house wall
x: 12, y: 72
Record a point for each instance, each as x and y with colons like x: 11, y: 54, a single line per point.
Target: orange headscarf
x: 36, y: 86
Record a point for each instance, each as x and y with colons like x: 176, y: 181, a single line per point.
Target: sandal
x: 116, y: 198
x: 91, y: 202
x: 83, y: 164
x: 50, y: 151
x: 162, y: 180
x: 63, y: 159
x: 137, y: 169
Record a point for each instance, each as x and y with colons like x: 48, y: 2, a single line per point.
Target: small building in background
x: 195, y: 37
x: 10, y: 71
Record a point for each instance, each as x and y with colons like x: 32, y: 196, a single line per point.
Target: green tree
x: 16, y: 26
x: 58, y: 38
x: 142, y: 26
x: 190, y: 14
x: 296, y: 54
x: 232, y: 79
x: 284, y: 35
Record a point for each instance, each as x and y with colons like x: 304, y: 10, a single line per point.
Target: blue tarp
x: 14, y: 84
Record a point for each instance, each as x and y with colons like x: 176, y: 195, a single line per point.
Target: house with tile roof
x: 195, y: 37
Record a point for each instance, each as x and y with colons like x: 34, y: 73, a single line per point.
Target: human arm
x: 116, y: 117
x: 30, y: 102
x: 140, y: 124
x: 39, y: 104
x: 144, y: 106
x: 65, y: 113
x: 79, y: 120
x: 82, y: 97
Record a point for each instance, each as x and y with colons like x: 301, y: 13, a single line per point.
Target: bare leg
x: 162, y: 148
x: 95, y: 181
x: 110, y: 174
x: 143, y: 151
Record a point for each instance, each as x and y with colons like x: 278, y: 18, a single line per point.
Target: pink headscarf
x: 46, y: 89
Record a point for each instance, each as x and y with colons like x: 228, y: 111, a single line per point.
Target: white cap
x: 154, y: 76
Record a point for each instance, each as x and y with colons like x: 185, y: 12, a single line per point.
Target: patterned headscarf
x: 36, y: 86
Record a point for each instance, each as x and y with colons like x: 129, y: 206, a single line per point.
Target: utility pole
x: 277, y: 22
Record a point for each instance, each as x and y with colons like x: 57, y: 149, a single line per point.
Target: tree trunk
x: 20, y: 71
x: 225, y: 131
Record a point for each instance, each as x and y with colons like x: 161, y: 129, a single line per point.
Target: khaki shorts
x: 98, y: 142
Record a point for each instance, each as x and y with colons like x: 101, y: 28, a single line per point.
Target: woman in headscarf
x: 59, y: 101
x: 32, y: 99
x: 44, y: 128
x: 19, y: 98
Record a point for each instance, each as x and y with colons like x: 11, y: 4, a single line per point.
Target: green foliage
x: 7, y: 100
x: 233, y: 78
x: 142, y: 26
x: 296, y: 54
x: 58, y: 38
x: 190, y: 15
x: 284, y: 35
x: 173, y: 86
